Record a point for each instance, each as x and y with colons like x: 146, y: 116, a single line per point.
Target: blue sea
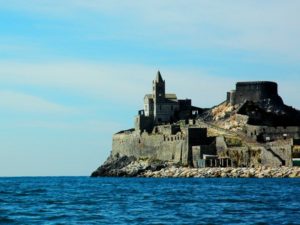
x: 84, y: 200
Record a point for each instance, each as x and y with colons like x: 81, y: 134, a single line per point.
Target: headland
x: 251, y: 134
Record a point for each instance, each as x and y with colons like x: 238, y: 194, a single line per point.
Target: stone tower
x: 159, y: 92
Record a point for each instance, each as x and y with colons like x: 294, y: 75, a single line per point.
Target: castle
x: 254, y: 91
x: 165, y: 130
x: 268, y: 118
x: 171, y: 129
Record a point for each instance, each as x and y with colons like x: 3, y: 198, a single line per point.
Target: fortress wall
x: 255, y: 91
x: 156, y: 146
x: 273, y: 132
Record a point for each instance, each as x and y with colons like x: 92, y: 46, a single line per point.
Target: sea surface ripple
x: 83, y: 200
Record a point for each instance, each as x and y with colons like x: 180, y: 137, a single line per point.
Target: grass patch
x: 233, y: 142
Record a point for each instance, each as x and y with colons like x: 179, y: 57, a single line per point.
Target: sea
x: 85, y: 200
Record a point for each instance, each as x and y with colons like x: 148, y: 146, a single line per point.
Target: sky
x: 74, y: 72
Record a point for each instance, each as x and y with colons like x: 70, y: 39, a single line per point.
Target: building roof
x: 167, y: 96
x: 159, y: 77
x: 149, y: 96
x: 171, y: 96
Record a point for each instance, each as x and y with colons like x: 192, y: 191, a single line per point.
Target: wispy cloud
x: 84, y: 127
x: 20, y: 102
x: 112, y: 82
x: 117, y: 83
x: 264, y: 27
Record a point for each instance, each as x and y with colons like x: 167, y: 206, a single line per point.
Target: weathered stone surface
x: 112, y: 166
x: 124, y: 166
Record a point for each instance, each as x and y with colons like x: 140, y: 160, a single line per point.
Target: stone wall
x: 282, y: 151
x: 267, y: 133
x: 167, y: 143
x: 155, y: 146
x: 199, y: 151
x: 143, y: 123
x: 254, y: 91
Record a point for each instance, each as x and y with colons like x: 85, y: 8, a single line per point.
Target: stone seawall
x: 156, y: 146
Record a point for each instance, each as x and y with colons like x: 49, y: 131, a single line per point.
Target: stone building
x: 162, y: 108
x: 165, y: 129
x: 171, y: 129
x: 254, y: 91
x: 268, y: 118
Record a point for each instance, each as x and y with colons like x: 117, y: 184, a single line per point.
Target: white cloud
x: 20, y: 102
x: 85, y: 126
x: 244, y: 24
x: 264, y: 27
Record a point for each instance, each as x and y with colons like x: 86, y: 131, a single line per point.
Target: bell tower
x: 159, y: 91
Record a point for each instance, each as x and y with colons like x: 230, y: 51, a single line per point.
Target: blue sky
x: 73, y: 72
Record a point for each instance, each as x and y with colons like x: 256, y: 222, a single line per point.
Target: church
x: 163, y: 108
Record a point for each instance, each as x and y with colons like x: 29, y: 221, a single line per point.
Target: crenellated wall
x: 156, y: 146
x: 166, y: 142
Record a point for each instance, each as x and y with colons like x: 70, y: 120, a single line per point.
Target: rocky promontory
x: 130, y: 167
x: 250, y: 134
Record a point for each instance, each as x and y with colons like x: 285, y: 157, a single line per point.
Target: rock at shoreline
x: 112, y: 166
x: 125, y: 166
x: 260, y: 172
x: 131, y: 167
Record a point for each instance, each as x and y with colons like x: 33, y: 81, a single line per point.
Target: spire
x: 158, y: 77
